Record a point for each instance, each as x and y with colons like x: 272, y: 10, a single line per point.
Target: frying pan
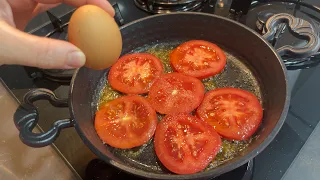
x: 263, y: 65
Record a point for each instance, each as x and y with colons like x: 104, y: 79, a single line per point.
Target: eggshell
x: 97, y: 34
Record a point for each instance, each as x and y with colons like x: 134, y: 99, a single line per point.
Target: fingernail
x: 76, y: 59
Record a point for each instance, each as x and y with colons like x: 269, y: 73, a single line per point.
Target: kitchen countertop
x: 19, y: 161
x: 306, y: 164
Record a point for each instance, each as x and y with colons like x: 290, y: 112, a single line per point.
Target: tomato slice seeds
x: 135, y: 73
x: 175, y: 92
x: 126, y: 122
x: 185, y: 144
x: 234, y: 113
x: 198, y: 58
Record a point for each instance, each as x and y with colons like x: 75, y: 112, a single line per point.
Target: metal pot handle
x: 26, y: 118
x: 298, y: 27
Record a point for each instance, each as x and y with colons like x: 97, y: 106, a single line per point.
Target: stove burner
x: 60, y: 76
x: 168, y: 6
x: 260, y: 13
x: 60, y: 31
x: 57, y: 28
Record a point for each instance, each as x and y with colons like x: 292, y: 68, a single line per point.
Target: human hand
x: 20, y: 48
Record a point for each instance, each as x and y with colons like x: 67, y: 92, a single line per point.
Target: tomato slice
x: 175, y: 92
x: 198, y: 58
x: 185, y: 144
x: 126, y: 122
x: 135, y: 73
x: 234, y: 113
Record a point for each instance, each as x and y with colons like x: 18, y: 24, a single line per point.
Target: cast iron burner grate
x: 57, y: 28
x: 266, y: 10
x: 168, y: 6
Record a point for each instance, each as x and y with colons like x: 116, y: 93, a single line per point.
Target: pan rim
x: 213, y: 172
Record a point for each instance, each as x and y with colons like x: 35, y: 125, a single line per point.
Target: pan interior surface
x: 251, y: 65
x: 236, y: 74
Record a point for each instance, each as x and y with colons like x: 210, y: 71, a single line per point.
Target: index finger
x: 104, y: 4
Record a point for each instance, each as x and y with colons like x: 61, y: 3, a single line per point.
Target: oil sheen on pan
x: 235, y: 74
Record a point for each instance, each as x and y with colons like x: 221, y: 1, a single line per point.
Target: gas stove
x: 270, y: 164
x: 167, y: 6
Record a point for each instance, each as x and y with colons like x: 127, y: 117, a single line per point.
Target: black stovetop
x: 274, y: 163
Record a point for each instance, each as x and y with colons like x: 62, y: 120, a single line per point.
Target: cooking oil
x: 235, y: 74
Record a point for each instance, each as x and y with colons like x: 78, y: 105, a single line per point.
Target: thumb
x: 20, y: 48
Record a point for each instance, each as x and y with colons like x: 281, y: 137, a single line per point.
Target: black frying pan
x: 266, y: 78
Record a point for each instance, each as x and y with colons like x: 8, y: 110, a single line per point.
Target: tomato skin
x: 234, y: 113
x: 126, y: 122
x: 186, y: 59
x: 185, y: 144
x: 176, y: 92
x: 135, y: 73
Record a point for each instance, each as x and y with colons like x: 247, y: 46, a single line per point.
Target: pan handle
x: 26, y: 118
x: 298, y: 27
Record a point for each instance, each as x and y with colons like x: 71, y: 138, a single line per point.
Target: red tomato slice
x: 234, y: 113
x: 175, y: 92
x: 126, y: 122
x: 185, y: 144
x: 135, y: 73
x: 197, y: 58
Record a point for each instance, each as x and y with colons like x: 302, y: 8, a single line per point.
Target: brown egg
x: 97, y: 34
